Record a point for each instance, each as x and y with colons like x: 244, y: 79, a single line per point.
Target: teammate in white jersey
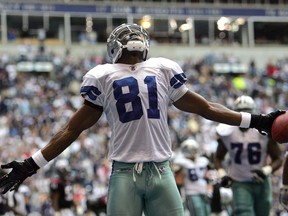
x: 192, y: 176
x: 134, y: 92
x: 248, y: 171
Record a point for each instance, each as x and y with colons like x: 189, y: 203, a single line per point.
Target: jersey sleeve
x: 91, y: 89
x: 177, y: 79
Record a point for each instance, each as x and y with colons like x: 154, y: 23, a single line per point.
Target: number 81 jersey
x: 135, y: 99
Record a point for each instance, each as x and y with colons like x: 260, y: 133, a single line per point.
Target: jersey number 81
x: 133, y: 97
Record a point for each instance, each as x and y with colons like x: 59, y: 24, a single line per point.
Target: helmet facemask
x: 132, y: 37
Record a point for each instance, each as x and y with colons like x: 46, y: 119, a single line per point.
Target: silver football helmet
x: 244, y: 103
x: 131, y: 33
x: 190, y: 148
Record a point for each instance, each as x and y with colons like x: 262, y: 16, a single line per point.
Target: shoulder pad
x: 224, y: 129
x: 164, y: 62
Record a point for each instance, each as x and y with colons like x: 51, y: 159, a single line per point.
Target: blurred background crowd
x: 33, y: 106
x: 39, y: 86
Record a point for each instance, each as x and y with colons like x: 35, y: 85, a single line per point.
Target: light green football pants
x: 151, y: 190
x: 198, y: 205
x: 252, y: 199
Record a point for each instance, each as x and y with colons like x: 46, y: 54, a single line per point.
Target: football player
x: 192, y: 177
x: 249, y: 173
x: 61, y: 190
x: 134, y: 92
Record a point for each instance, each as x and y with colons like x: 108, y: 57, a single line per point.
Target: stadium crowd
x: 34, y: 106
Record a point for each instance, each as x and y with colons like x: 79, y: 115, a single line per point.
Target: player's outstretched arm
x: 224, y: 180
x: 82, y: 119
x: 195, y: 103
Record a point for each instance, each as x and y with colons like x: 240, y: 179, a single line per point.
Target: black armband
x: 255, y: 120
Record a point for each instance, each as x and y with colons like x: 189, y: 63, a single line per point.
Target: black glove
x: 20, y: 171
x: 226, y: 181
x: 263, y: 123
x: 258, y: 175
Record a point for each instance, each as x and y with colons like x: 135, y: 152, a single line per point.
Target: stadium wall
x: 261, y: 55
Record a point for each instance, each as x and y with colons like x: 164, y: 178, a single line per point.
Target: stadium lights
x: 240, y: 21
x: 228, y: 24
x: 186, y: 26
x: 89, y: 24
x: 146, y: 21
x: 173, y: 24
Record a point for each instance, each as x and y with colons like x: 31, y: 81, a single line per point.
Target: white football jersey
x: 195, y: 172
x: 135, y: 99
x: 247, y: 150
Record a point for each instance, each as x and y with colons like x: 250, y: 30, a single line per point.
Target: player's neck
x: 129, y: 61
x: 130, y: 58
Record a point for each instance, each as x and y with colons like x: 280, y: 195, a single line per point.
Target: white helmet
x: 190, y: 148
x: 114, y: 45
x: 244, y: 103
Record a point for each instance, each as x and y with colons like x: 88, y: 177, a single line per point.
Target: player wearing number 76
x: 248, y: 172
x: 134, y: 92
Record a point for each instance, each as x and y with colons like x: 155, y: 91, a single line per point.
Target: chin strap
x: 134, y: 46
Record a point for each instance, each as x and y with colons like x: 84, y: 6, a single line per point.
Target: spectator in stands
x: 61, y: 189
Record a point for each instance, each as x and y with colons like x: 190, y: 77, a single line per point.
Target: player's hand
x: 283, y: 197
x: 226, y: 181
x: 20, y: 171
x: 263, y: 123
x: 259, y: 175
